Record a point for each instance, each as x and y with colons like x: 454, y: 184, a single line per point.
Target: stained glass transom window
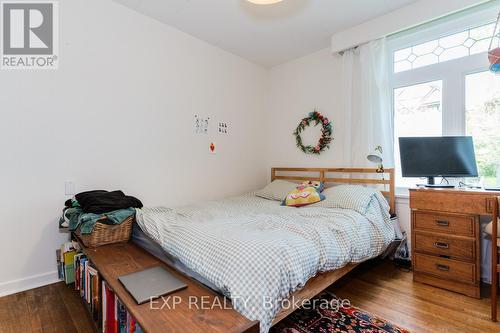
x: 462, y: 44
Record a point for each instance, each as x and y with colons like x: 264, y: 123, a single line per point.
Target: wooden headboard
x: 385, y: 180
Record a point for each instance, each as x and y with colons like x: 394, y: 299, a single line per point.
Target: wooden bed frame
x: 386, y: 180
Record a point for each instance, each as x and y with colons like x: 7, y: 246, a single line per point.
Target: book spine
x: 132, y: 324
x: 87, y: 284
x: 122, y: 317
x: 96, y: 304
x: 82, y: 277
x: 104, y: 306
x: 115, y: 321
x: 110, y: 310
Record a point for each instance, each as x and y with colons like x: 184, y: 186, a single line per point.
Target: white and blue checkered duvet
x: 258, y: 252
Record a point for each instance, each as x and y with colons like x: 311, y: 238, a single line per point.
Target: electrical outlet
x: 69, y: 188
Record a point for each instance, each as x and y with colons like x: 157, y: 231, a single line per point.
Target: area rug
x: 326, y: 313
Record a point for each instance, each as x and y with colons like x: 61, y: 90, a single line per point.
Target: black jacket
x: 100, y: 201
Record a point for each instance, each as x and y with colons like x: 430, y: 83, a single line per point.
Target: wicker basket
x: 103, y: 234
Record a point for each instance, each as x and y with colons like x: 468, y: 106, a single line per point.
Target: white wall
x: 404, y: 216
x: 118, y: 114
x: 297, y: 88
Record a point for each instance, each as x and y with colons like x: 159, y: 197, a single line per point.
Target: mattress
x: 257, y: 252
x: 144, y: 241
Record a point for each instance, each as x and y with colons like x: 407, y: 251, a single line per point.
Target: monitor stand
x: 432, y: 184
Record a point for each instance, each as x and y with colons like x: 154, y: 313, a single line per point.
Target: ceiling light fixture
x: 264, y: 2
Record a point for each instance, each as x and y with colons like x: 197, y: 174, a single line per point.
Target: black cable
x: 462, y: 184
x: 447, y: 182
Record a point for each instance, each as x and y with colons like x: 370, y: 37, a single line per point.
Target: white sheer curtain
x: 366, y: 104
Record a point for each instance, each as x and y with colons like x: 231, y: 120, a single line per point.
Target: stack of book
x: 87, y: 282
x: 65, y: 262
x: 107, y: 311
x: 115, y: 317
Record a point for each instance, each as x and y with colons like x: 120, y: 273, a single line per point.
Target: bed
x: 259, y: 253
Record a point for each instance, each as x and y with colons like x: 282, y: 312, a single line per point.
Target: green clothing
x: 69, y: 219
x: 87, y: 221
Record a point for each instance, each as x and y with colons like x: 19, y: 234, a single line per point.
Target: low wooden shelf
x: 119, y: 259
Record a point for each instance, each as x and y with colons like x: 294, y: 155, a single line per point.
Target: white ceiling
x: 267, y: 35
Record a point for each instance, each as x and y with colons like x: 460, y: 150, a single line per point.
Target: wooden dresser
x: 446, y: 237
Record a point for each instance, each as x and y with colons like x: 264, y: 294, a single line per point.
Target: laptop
x: 151, y: 283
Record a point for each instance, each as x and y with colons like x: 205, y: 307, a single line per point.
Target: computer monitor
x: 444, y: 156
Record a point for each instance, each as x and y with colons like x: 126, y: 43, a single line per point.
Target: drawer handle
x: 442, y: 223
x: 443, y: 267
x: 442, y: 245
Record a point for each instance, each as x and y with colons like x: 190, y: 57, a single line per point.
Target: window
x: 417, y: 112
x: 482, y: 107
x: 451, y: 47
x: 442, y: 86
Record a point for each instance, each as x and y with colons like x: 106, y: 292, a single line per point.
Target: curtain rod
x: 447, y: 17
x: 437, y: 20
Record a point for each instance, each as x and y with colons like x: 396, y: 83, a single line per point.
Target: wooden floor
x: 383, y: 290
x: 376, y: 287
x: 54, y: 308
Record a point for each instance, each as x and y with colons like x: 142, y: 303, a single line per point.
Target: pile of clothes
x: 86, y: 208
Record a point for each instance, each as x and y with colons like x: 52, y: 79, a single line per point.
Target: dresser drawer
x: 455, y: 248
x: 455, y: 224
x: 445, y: 268
x: 455, y: 201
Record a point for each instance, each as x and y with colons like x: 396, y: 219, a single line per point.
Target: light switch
x: 69, y: 188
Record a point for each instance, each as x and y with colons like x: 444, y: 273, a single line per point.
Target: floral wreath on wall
x: 324, y: 141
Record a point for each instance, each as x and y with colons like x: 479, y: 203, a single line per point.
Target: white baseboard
x: 35, y: 281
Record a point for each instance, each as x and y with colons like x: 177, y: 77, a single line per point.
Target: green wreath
x: 324, y: 141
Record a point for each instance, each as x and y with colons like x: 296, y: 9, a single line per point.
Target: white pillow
x: 276, y: 190
x: 355, y: 197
